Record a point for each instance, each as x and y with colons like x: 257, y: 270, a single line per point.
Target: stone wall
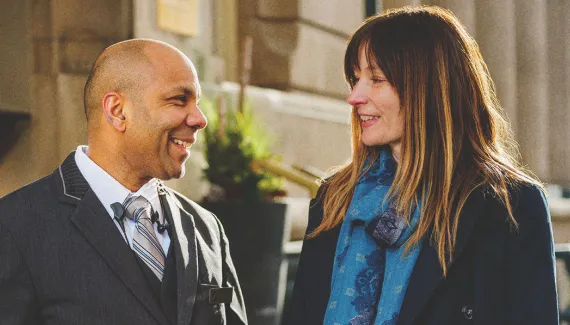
x: 47, y: 50
x: 199, y: 48
x: 52, y: 45
x: 299, y: 44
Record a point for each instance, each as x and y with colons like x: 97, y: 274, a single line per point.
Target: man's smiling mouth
x: 183, y: 143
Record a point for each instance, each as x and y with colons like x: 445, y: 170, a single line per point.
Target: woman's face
x: 378, y: 106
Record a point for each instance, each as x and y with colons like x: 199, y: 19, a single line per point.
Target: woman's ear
x: 113, y: 105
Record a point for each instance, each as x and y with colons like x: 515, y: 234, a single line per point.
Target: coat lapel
x: 428, y: 274
x: 184, y: 239
x: 93, y: 222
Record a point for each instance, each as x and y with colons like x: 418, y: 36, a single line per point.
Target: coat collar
x: 71, y: 183
x: 102, y: 233
x: 428, y: 274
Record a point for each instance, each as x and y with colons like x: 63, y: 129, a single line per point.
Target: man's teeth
x: 186, y: 144
x: 367, y: 118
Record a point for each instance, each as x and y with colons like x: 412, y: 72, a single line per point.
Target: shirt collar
x: 108, y: 189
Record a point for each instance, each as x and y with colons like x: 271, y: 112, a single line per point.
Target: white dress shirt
x: 109, y: 191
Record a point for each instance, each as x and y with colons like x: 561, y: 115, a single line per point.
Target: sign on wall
x: 178, y: 16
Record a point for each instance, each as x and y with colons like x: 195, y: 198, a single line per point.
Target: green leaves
x: 233, y: 142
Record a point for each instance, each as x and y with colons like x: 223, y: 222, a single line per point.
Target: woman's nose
x: 356, y: 96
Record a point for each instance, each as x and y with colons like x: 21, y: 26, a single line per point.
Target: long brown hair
x: 455, y: 136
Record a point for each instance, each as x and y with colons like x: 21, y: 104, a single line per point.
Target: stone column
x: 558, y: 90
x: 225, y: 40
x: 532, y: 82
x: 15, y: 56
x: 496, y: 35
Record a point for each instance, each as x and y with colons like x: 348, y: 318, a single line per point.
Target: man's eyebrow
x: 186, y: 90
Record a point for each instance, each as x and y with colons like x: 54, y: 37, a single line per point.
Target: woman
x: 433, y: 221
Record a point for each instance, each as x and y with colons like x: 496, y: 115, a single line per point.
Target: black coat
x: 498, y: 275
x: 63, y: 261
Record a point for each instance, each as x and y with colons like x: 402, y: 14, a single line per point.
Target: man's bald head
x: 141, y: 101
x: 125, y: 67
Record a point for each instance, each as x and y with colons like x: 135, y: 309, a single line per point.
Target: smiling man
x: 102, y: 240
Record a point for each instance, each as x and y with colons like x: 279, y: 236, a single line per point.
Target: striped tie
x: 145, y: 244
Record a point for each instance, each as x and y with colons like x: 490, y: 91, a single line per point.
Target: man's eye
x: 377, y: 80
x: 181, y: 99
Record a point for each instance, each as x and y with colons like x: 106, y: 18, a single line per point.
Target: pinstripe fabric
x: 145, y: 243
x: 74, y: 184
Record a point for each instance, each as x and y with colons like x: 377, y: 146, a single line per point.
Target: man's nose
x: 196, y: 119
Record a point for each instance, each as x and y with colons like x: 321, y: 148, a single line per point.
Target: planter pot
x: 257, y: 234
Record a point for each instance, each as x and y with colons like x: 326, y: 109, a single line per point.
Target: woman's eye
x: 377, y: 81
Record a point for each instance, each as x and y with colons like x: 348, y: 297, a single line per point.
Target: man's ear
x: 113, y: 105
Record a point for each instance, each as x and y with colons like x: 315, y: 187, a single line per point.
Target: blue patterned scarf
x: 371, y: 272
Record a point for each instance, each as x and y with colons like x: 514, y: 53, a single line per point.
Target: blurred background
x: 289, y: 54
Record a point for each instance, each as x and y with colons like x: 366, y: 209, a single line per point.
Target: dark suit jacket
x: 498, y: 275
x: 63, y: 260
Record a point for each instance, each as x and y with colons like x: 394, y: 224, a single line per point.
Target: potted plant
x: 234, y: 145
x: 245, y: 196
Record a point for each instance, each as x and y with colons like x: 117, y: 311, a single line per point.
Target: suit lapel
x: 93, y: 222
x: 428, y: 274
x: 184, y: 239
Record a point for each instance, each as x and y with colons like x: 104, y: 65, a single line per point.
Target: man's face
x: 164, y: 119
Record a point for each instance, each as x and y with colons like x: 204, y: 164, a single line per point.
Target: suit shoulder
x: 20, y: 206
x: 29, y: 193
x: 32, y: 189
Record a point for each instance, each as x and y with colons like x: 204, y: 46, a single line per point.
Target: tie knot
x: 137, y: 207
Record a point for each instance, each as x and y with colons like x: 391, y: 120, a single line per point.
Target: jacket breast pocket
x: 210, y: 305
x: 214, y: 294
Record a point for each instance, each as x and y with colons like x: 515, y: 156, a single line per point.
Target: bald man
x: 102, y: 240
